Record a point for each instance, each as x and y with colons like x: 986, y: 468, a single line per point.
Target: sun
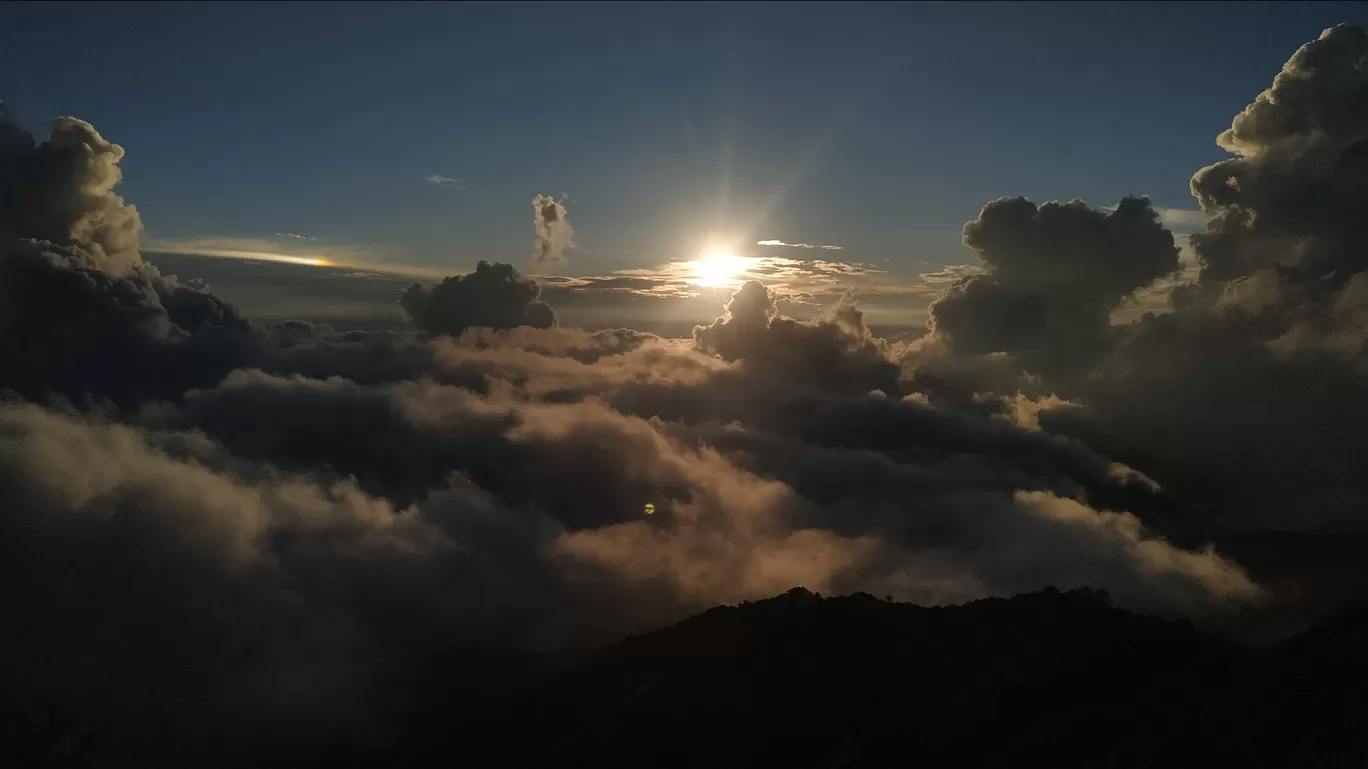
x: 718, y: 268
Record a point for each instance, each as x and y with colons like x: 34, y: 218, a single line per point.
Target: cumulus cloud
x: 826, y: 247
x: 1212, y: 396
x: 1278, y: 299
x: 554, y: 233
x: 1053, y: 275
x: 493, y: 296
x: 61, y: 191
x: 837, y: 350
x: 1292, y: 196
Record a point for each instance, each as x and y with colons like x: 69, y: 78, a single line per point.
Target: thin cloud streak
x: 827, y: 247
x: 267, y: 250
x: 951, y: 273
x: 446, y: 182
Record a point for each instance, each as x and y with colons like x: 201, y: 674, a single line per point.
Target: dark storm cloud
x: 1295, y: 194
x: 1246, y: 437
x: 1258, y: 374
x: 1288, y: 246
x: 554, y: 233
x: 1054, y: 274
x: 80, y: 312
x: 68, y: 327
x: 1241, y: 400
x: 493, y: 296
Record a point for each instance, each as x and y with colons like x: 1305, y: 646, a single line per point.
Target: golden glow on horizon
x: 256, y: 256
x: 719, y: 268
x: 263, y: 252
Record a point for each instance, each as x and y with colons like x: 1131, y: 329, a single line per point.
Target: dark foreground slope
x: 1046, y: 679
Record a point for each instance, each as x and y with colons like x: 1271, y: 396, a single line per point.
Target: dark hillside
x: 799, y: 680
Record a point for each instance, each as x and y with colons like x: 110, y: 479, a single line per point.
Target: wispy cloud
x: 679, y: 290
x: 262, y: 249
x: 293, y: 236
x: 788, y: 276
x: 446, y: 182
x: 951, y: 273
x: 797, y: 245
x: 293, y: 250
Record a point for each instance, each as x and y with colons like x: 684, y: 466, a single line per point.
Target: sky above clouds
x: 415, y: 134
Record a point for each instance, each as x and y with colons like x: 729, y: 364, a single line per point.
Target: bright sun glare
x: 718, y: 268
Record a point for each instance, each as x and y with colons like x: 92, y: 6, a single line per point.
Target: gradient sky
x: 882, y: 128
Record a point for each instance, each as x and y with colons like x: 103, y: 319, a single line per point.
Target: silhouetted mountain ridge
x: 1048, y: 678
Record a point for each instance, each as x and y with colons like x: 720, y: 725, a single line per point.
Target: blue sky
x: 881, y: 128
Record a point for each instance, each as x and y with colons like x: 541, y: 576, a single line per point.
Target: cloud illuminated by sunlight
x: 286, y: 250
x: 240, y: 248
x: 722, y: 270
x: 312, y: 261
x: 823, y: 246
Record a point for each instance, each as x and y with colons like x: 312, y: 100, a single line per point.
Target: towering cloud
x: 61, y: 191
x: 80, y: 312
x: 1288, y: 242
x: 554, y: 233
x: 1259, y: 369
x: 1242, y: 400
x: 1295, y: 194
